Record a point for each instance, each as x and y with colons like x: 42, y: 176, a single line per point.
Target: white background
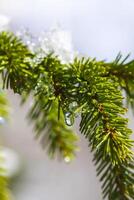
x: 100, y: 28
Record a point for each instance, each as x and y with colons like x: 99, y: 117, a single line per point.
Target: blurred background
x: 99, y: 29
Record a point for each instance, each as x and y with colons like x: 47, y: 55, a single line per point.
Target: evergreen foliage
x: 61, y: 92
x: 4, y: 193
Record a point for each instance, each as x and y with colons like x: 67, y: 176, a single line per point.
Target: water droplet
x: 69, y: 119
x: 77, y: 84
x: 67, y: 159
x: 2, y: 120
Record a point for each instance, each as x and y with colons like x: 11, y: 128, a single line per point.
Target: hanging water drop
x: 67, y: 159
x: 2, y: 120
x: 69, y: 119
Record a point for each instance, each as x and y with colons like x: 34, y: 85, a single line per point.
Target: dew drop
x: 69, y: 119
x: 77, y: 84
x: 67, y: 159
x: 2, y: 120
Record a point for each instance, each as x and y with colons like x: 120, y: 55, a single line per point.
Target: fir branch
x: 86, y: 84
x: 4, y: 193
x: 102, y: 123
x: 124, y: 72
x: 14, y: 63
x: 52, y: 132
x: 61, y: 92
x: 46, y: 112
